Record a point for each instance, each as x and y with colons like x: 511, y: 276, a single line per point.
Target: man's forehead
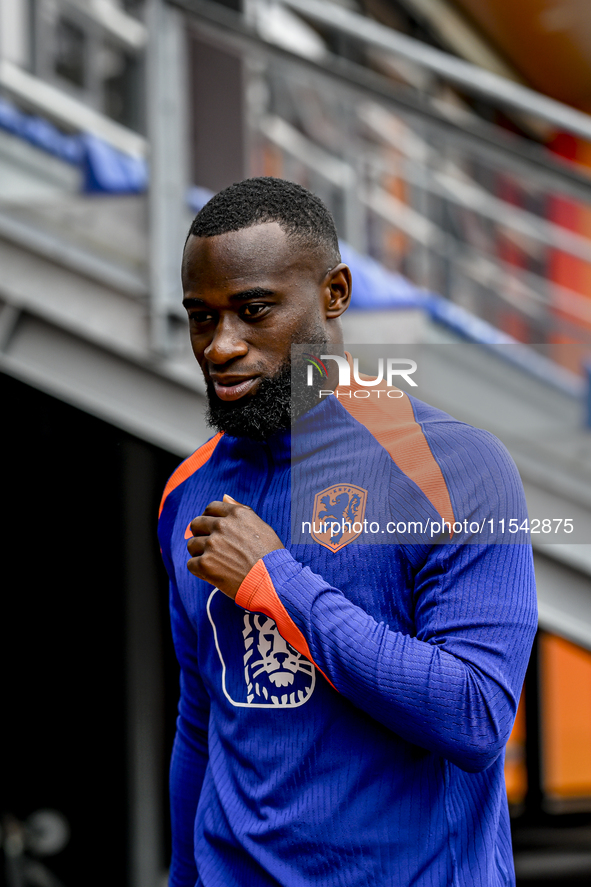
x: 264, y: 249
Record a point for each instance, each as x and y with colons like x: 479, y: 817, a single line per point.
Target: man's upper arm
x: 194, y: 700
x: 190, y: 751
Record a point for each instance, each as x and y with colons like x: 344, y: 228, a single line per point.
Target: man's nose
x: 227, y: 343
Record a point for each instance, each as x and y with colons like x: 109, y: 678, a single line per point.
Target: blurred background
x: 452, y: 142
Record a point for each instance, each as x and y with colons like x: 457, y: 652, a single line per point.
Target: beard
x: 274, y: 407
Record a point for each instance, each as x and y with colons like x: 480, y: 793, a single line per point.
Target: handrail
x: 466, y: 194
x: 124, y: 28
x: 474, y: 80
x: 47, y: 99
x: 228, y: 28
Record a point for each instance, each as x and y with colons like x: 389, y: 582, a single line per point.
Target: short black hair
x: 300, y: 213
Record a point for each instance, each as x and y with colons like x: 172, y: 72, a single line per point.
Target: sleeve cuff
x: 258, y: 594
x: 252, y: 590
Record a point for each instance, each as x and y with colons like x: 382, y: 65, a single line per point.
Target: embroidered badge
x: 338, y: 515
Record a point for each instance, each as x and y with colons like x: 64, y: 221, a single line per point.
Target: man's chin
x: 258, y: 414
x: 270, y: 406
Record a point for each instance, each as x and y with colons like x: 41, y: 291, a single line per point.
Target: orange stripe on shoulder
x: 189, y: 467
x: 257, y: 593
x: 392, y: 423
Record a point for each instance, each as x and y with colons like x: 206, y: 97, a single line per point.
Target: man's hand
x: 228, y: 539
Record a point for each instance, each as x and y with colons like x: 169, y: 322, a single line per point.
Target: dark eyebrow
x: 255, y: 293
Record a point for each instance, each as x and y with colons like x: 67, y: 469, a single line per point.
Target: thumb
x: 228, y: 498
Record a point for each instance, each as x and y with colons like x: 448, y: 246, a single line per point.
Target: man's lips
x: 233, y: 389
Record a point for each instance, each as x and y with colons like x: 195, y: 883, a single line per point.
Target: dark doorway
x: 65, y: 628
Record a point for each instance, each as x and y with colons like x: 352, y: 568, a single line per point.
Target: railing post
x: 167, y: 121
x: 587, y: 369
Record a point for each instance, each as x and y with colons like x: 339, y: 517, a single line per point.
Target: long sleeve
x: 190, y: 751
x: 453, y: 687
x: 451, y: 682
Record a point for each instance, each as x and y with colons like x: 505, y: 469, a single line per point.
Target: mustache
x: 256, y: 370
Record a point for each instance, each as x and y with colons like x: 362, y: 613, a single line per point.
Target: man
x: 344, y: 706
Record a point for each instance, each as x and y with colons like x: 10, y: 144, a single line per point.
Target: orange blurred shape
x: 515, y: 770
x: 546, y: 41
x: 395, y: 242
x: 270, y: 162
x: 568, y: 272
x: 566, y: 717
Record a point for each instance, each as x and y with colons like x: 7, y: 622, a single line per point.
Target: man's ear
x: 337, y: 284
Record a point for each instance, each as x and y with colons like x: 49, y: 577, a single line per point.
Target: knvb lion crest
x: 264, y: 671
x: 273, y: 670
x: 338, y: 515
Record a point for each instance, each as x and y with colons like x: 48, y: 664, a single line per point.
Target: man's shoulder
x: 481, y: 478
x: 450, y: 461
x: 416, y: 433
x: 188, y: 469
x: 457, y: 441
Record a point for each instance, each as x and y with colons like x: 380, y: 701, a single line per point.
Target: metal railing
x: 470, y: 78
x: 490, y: 219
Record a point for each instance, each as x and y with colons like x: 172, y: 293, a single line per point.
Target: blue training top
x: 344, y: 722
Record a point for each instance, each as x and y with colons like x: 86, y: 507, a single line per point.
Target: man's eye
x: 200, y: 317
x: 254, y: 309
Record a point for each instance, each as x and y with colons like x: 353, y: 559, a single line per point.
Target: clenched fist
x: 228, y: 539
